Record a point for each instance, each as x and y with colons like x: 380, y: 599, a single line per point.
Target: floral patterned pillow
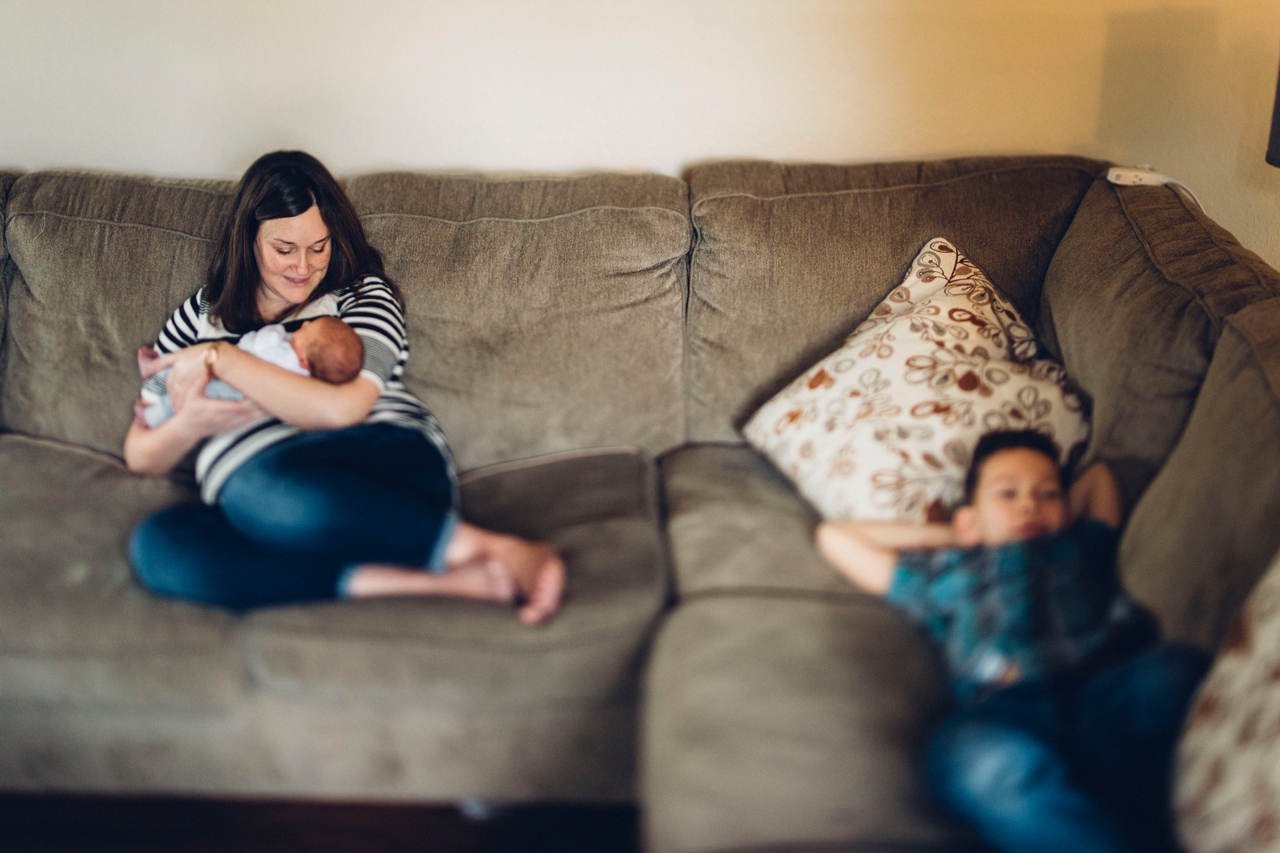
x: 1227, y: 785
x: 883, y: 427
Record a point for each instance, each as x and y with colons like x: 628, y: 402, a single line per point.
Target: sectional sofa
x: 591, y: 345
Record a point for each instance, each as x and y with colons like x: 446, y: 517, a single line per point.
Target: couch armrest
x: 1204, y: 531
x: 1134, y: 302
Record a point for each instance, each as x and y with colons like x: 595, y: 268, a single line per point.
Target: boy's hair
x: 1008, y: 439
x: 337, y: 354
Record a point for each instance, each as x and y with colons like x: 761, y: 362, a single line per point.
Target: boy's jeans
x: 1079, y: 767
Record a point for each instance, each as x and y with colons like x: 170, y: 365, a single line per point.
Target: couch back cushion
x: 1134, y: 303
x: 101, y: 261
x: 789, y: 259
x: 1205, y: 529
x: 544, y: 313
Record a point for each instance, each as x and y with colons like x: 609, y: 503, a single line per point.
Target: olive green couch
x: 590, y: 344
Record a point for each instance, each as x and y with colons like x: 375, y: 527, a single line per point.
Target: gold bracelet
x: 211, y: 358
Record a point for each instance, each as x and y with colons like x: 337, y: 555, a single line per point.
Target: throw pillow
x: 883, y: 427
x: 1227, y: 785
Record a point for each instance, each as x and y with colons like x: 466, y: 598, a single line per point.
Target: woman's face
x: 293, y: 256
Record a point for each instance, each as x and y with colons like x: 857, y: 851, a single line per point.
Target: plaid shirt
x: 1021, y: 611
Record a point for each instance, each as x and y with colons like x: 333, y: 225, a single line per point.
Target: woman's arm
x: 1096, y: 494
x: 156, y: 451
x: 301, y: 401
x: 865, y: 552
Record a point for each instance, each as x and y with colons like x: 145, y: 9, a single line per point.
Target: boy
x: 1068, y: 709
x: 324, y: 347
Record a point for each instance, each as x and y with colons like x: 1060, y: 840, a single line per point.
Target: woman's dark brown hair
x: 282, y: 185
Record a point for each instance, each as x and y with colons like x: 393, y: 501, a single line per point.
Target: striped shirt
x: 370, y: 308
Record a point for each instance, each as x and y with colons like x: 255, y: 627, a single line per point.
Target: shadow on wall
x: 1176, y: 99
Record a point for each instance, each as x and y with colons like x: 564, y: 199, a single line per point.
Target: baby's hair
x: 1008, y: 439
x: 338, y: 353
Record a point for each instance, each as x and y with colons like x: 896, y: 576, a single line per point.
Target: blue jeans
x: 291, y: 519
x: 1082, y: 766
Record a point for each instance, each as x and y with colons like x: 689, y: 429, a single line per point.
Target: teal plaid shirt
x: 1021, y: 611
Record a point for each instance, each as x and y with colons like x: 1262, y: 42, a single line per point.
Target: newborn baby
x: 324, y: 347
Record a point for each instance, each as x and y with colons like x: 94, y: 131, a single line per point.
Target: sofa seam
x: 861, y: 846
x: 766, y: 592
x: 256, y: 633
x: 686, y: 359
x: 175, y: 652
x: 1217, y: 320
x: 93, y: 219
x: 69, y: 446
x: 363, y: 217
x: 531, y: 220
x: 510, y: 178
x: 896, y: 187
x: 118, y: 178
x: 537, y: 460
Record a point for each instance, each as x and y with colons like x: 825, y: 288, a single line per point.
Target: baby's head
x: 1014, y: 490
x: 328, y: 349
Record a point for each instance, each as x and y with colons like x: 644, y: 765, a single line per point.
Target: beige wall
x: 200, y: 88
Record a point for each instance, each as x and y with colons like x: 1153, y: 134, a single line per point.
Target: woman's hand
x: 188, y: 376
x: 204, y: 416
x: 156, y: 451
x: 300, y: 401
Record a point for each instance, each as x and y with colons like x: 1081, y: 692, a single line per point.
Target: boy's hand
x: 1096, y: 494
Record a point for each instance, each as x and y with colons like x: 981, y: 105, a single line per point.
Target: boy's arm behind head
x: 1096, y: 494
x: 866, y: 552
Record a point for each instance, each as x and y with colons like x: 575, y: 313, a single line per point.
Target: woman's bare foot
x: 535, y: 568
x: 483, y: 580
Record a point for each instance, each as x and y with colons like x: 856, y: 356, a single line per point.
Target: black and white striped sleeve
x: 371, y: 309
x: 181, y: 329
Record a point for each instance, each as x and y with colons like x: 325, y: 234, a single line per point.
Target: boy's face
x: 1018, y: 496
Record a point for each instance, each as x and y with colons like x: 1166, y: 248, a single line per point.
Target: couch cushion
x: 788, y: 723
x: 545, y: 313
x: 102, y: 261
x: 790, y: 258
x: 737, y: 525
x: 1134, y: 302
x: 1206, y: 527
x: 402, y: 699
x: 75, y: 628
x: 599, y: 507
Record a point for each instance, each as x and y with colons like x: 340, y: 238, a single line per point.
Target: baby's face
x: 1018, y: 496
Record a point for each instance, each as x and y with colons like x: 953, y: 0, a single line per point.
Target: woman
x: 310, y: 490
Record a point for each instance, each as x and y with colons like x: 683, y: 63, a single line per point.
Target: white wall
x: 199, y: 89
